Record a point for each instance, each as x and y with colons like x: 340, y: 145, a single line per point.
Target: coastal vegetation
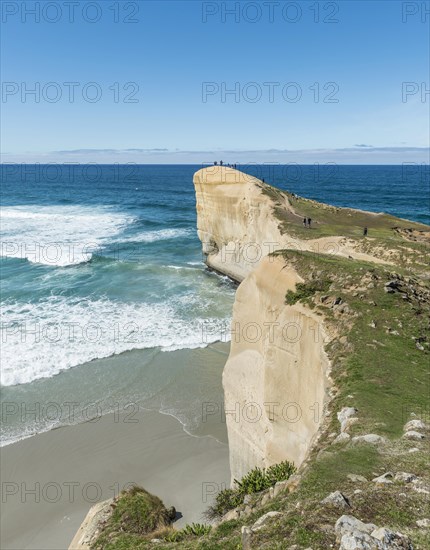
x: 256, y: 480
x: 135, y: 513
x: 328, y: 220
x: 304, y: 291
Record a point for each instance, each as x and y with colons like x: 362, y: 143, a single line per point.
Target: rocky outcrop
x: 234, y: 221
x: 111, y: 518
x: 353, y: 534
x: 91, y: 526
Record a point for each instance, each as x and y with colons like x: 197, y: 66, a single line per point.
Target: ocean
x: 105, y: 301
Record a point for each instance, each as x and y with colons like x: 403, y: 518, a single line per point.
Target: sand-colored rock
x: 89, y: 529
x: 237, y: 226
x: 234, y: 221
x: 276, y: 376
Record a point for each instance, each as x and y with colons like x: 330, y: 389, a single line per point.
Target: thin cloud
x: 105, y: 151
x: 359, y: 154
x: 357, y: 148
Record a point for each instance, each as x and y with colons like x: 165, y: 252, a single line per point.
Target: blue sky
x: 337, y: 78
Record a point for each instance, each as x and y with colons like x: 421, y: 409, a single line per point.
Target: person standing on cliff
x: 365, y: 231
x: 304, y: 222
x: 309, y: 222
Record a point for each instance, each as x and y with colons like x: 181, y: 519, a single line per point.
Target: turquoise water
x: 101, y: 260
x: 92, y: 269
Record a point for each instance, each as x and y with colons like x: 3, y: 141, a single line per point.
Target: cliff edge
x: 276, y: 380
x: 241, y: 220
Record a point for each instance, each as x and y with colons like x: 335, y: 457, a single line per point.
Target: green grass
x: 330, y: 220
x: 386, y: 234
x: 376, y: 369
x: 137, y: 513
x: 190, y: 530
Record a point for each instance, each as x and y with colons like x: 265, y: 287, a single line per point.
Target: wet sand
x: 50, y: 481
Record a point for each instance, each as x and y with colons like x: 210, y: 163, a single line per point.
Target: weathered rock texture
x: 237, y: 226
x: 90, y: 527
x: 276, y: 377
x: 234, y: 221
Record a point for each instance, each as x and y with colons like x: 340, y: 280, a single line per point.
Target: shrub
x: 197, y: 529
x: 226, y: 500
x: 257, y: 479
x: 306, y: 290
x: 254, y: 481
x: 280, y: 472
x: 137, y: 512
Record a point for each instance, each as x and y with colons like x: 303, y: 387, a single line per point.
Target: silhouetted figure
x: 365, y: 231
x: 309, y: 222
x: 304, y: 222
x: 221, y: 162
x: 263, y: 180
x: 216, y: 163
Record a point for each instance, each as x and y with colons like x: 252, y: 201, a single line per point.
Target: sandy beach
x: 50, y: 481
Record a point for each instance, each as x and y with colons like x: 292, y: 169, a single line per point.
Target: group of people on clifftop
x: 307, y: 222
x: 221, y: 163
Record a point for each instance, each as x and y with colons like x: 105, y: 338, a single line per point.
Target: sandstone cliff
x: 318, y: 318
x: 240, y: 220
x: 276, y: 378
x: 234, y: 221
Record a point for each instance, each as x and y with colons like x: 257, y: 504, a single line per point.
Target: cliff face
x: 288, y: 306
x: 240, y: 221
x: 234, y: 221
x: 276, y: 377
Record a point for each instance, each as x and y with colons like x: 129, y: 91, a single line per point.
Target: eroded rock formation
x: 276, y: 378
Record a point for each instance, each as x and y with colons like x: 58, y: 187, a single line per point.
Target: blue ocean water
x: 98, y: 260
x: 400, y: 190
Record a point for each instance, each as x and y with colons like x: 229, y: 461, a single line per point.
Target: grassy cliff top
x: 327, y: 220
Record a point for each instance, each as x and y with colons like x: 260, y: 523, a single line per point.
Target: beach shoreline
x: 177, y: 383
x: 51, y: 480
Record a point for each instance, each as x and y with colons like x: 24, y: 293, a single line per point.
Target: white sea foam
x: 182, y: 268
x: 157, y: 235
x: 40, y: 340
x: 58, y: 235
